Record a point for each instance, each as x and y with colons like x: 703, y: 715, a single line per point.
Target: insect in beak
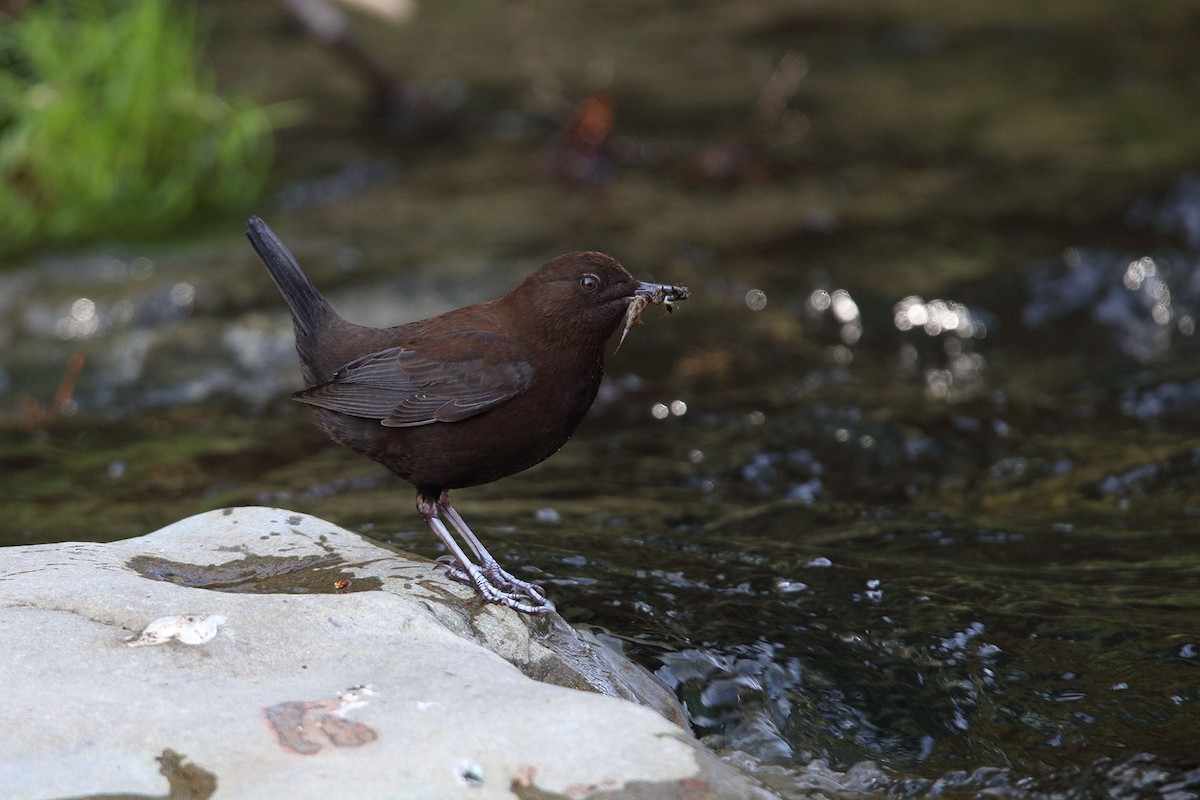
x: 650, y: 294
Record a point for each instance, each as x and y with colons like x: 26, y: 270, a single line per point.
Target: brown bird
x: 469, y: 396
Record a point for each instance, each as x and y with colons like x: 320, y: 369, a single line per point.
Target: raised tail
x: 311, y: 315
x: 310, y: 312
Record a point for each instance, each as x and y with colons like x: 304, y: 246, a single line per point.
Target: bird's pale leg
x: 467, y: 571
x: 488, y: 563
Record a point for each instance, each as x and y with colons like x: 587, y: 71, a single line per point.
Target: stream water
x: 903, y: 502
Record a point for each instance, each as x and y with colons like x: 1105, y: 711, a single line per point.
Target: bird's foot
x: 498, y: 586
x: 510, y: 582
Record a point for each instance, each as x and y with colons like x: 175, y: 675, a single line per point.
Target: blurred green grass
x: 110, y: 124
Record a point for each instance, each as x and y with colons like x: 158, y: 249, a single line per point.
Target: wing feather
x: 441, y: 380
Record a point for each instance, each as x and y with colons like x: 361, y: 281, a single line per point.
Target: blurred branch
x: 391, y: 96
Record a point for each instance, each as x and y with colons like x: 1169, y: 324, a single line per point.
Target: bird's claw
x: 498, y: 586
x: 509, y: 582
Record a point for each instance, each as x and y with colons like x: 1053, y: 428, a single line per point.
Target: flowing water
x: 905, y: 501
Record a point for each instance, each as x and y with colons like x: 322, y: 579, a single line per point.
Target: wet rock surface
x: 255, y: 652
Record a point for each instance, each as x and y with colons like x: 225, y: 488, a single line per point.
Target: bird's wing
x: 438, y: 380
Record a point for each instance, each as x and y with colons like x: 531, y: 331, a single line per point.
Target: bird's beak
x: 645, y: 294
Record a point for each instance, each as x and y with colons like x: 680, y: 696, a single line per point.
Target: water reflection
x: 80, y: 322
x: 843, y: 311
x: 676, y: 408
x: 1146, y: 301
x: 955, y: 372
x: 756, y: 299
x: 938, y: 316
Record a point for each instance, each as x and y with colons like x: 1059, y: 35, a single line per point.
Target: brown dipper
x: 469, y: 396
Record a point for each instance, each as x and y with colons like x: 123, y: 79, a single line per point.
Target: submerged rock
x: 281, y: 656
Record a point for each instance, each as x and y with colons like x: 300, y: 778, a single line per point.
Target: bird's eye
x: 589, y: 283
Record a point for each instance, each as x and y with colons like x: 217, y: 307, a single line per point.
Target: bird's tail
x: 312, y: 317
x: 310, y: 312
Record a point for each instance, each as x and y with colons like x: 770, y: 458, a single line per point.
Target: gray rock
x: 261, y: 653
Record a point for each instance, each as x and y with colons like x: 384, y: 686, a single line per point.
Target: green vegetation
x: 110, y: 125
